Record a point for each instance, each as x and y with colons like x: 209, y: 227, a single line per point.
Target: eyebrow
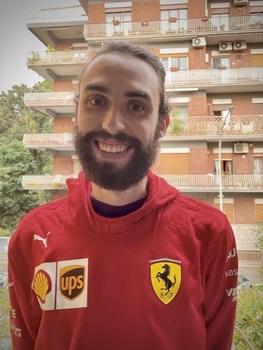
x: 101, y: 88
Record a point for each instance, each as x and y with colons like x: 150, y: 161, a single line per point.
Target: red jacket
x: 163, y: 277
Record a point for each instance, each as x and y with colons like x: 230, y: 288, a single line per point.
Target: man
x: 125, y: 261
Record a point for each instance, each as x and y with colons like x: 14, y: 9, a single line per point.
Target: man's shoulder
x: 49, y: 214
x: 200, y: 214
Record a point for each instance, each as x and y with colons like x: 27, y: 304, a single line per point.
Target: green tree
x: 16, y: 161
x: 16, y: 120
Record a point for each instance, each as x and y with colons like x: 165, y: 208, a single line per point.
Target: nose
x: 113, y: 121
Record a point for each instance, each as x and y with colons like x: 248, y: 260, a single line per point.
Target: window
x: 219, y: 62
x: 173, y: 64
x: 118, y: 23
x: 220, y: 22
x: 226, y: 167
x: 174, y: 20
x: 258, y: 165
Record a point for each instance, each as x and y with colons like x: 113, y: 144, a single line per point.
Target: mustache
x: 121, y: 137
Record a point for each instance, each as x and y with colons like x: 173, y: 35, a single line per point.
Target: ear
x: 164, y: 125
x: 75, y: 118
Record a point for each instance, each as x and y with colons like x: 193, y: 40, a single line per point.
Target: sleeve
x: 221, y: 290
x: 23, y: 320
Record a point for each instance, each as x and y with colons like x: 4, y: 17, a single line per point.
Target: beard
x: 105, y: 173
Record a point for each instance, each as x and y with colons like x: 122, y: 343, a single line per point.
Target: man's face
x: 117, y: 120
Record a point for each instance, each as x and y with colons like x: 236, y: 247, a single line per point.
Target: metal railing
x: 211, y: 127
x: 210, y: 182
x: 32, y: 99
x: 251, y: 256
x: 58, y: 57
x: 175, y: 26
x: 46, y: 182
x: 61, y: 140
x: 182, y: 182
x: 212, y: 76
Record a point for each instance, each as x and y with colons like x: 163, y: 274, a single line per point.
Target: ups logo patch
x: 72, y: 281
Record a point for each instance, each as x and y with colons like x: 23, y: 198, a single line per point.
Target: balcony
x: 58, y: 65
x: 208, y: 128
x: 217, y: 80
x: 185, y: 183
x: 52, y: 103
x: 214, y: 28
x: 59, y: 25
x: 210, y: 183
x: 56, y: 142
x: 45, y: 182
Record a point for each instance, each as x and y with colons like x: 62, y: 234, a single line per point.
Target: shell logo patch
x: 71, y: 281
x: 41, y: 285
x: 166, y: 275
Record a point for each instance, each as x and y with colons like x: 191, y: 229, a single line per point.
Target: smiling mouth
x: 111, y: 147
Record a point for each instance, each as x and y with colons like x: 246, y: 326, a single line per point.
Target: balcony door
x: 174, y: 21
x: 118, y: 23
x: 226, y: 167
x: 258, y: 165
x: 220, y: 22
x: 173, y: 63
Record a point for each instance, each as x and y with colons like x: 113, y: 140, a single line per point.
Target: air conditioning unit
x: 199, y: 42
x: 241, y: 147
x: 225, y: 46
x: 240, y: 2
x: 239, y: 45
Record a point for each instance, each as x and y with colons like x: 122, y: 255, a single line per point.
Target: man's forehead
x: 118, y: 61
x: 137, y: 72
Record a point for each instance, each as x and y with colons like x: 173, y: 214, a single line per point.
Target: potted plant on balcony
x: 145, y: 23
x: 116, y: 22
x: 34, y: 57
x: 176, y: 124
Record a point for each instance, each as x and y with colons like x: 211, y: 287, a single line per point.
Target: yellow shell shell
x: 41, y: 285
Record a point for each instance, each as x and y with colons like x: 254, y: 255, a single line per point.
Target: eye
x: 95, y: 101
x: 136, y: 106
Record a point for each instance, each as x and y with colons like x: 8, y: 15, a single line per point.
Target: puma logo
x: 41, y: 239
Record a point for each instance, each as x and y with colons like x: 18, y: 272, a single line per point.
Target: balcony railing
x: 60, y: 141
x: 187, y: 183
x: 45, y: 182
x: 210, y: 183
x: 175, y: 27
x: 58, y: 57
x: 208, y: 77
x: 35, y: 99
x: 207, y: 127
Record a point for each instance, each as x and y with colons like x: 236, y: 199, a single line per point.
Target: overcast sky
x: 16, y: 40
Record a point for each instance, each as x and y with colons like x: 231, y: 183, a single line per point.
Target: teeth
x: 112, y: 148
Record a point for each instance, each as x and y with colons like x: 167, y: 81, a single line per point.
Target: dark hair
x: 127, y: 48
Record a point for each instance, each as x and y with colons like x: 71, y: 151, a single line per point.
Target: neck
x: 119, y: 198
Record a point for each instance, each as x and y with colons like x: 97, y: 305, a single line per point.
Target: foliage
x: 15, y: 201
x: 34, y: 57
x: 4, y: 320
x: 16, y: 120
x: 248, y: 330
x: 176, y: 124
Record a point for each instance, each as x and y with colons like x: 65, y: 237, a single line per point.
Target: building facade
x: 212, y: 51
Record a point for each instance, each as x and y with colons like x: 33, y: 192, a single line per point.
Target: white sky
x: 16, y: 40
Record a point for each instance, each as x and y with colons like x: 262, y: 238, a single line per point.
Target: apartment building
x: 212, y: 51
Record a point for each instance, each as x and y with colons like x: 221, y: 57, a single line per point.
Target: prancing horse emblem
x: 165, y: 278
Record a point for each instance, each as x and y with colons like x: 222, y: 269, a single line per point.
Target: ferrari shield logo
x: 166, y: 279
